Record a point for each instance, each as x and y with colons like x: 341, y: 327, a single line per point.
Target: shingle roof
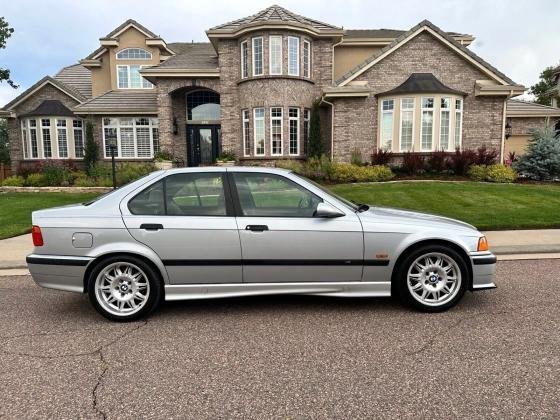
x: 422, y: 83
x: 130, y: 101
x: 518, y: 108
x: 274, y: 14
x: 447, y: 37
x: 130, y: 22
x: 50, y: 107
x: 198, y: 55
x: 385, y: 33
x: 78, y: 77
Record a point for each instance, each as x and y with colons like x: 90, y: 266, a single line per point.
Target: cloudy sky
x: 520, y: 37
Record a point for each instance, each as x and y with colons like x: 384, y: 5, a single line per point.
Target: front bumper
x: 58, y: 272
x: 483, y: 269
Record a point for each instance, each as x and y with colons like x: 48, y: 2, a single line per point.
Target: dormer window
x: 128, y: 77
x: 134, y: 54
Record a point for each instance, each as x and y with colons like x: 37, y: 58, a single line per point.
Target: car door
x: 187, y: 219
x: 282, y: 241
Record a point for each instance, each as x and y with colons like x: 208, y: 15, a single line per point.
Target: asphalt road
x: 496, y: 355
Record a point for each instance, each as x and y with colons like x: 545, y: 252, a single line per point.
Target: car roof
x: 260, y: 169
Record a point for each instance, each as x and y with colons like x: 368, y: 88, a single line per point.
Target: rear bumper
x: 58, y: 272
x: 483, y: 269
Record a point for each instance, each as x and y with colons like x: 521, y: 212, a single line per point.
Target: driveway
x: 495, y: 355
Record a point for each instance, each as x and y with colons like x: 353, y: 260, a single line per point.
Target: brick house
x: 251, y: 88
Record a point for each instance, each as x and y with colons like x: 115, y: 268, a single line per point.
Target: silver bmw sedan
x: 197, y: 233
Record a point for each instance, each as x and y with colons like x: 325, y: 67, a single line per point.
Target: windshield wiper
x: 362, y: 207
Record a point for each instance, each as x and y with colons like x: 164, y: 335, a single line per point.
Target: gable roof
x: 518, y: 108
x: 386, y: 33
x: 78, y: 77
x: 47, y: 80
x: 274, y: 15
x: 50, y: 107
x: 422, y: 83
x: 428, y: 26
x: 125, y: 25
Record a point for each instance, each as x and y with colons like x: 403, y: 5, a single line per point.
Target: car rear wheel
x: 432, y: 278
x: 124, y: 288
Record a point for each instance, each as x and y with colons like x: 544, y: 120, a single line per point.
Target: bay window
x: 275, y: 52
x: 306, y: 59
x: 258, y: 57
x: 33, y: 138
x: 306, y: 116
x: 458, y: 122
x: 244, y: 59
x: 135, y: 137
x: 246, y: 134
x: 427, y: 125
x: 445, y: 124
x: 276, y: 131
x: 293, y: 56
x: 62, y: 138
x: 406, y: 124
x: 258, y: 128
x: 38, y: 136
x: 387, y: 124
x: 78, y: 135
x: 46, y: 135
x: 293, y: 119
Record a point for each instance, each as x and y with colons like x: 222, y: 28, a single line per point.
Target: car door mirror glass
x: 327, y: 211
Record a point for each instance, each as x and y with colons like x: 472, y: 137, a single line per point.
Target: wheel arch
x: 442, y: 242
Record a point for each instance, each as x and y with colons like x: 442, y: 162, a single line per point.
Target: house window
x: 306, y: 59
x: 276, y: 131
x: 135, y: 137
x: 78, y: 134
x: 258, y: 127
x: 246, y: 134
x: 134, y: 54
x: 24, y: 139
x: 258, y: 56
x: 293, y: 56
x: 427, y: 126
x: 275, y: 51
x: 244, y: 59
x: 387, y: 107
x: 306, y: 114
x: 407, y: 124
x: 62, y: 138
x: 128, y: 77
x: 203, y: 105
x: 46, y: 135
x: 444, y: 123
x: 458, y: 122
x: 293, y: 119
x: 33, y: 138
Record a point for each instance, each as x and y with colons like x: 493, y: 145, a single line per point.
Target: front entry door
x: 203, y: 144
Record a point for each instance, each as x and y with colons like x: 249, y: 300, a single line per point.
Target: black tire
x: 401, y: 278
x: 155, y: 293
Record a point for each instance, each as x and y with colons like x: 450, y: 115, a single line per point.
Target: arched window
x: 134, y: 54
x: 203, y: 105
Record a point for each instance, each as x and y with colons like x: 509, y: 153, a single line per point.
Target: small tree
x: 4, y: 144
x: 91, y: 150
x: 315, y: 148
x: 542, y: 159
x: 543, y: 88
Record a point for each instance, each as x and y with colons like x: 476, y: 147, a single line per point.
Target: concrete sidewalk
x: 507, y: 244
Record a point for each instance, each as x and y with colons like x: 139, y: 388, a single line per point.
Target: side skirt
x: 342, y: 289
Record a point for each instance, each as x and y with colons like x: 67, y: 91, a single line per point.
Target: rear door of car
x: 187, y: 219
x: 282, y: 241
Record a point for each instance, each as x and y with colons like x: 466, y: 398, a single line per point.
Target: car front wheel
x: 432, y: 278
x: 124, y: 288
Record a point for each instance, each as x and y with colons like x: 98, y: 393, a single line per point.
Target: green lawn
x: 486, y: 206
x: 16, y: 208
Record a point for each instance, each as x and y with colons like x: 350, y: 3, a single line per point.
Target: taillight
x: 37, y: 236
x: 483, y: 244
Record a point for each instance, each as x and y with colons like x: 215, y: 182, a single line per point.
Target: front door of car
x: 188, y: 221
x: 282, y: 241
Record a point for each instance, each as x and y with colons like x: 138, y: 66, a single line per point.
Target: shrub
x: 55, y: 174
x: 36, y: 180
x: 542, y: 159
x: 477, y: 172
x: 291, y: 165
x: 163, y: 155
x: 437, y: 161
x: 227, y: 156
x: 461, y: 161
x: 485, y: 156
x: 91, y: 149
x: 412, y: 163
x: 347, y: 172
x: 85, y: 182
x: 13, y: 181
x: 128, y: 172
x: 500, y: 173
x: 356, y: 158
x: 381, y: 157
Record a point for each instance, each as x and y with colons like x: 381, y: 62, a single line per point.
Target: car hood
x: 400, y: 216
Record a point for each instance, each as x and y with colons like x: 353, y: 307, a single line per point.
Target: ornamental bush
x: 347, y: 172
x: 13, y: 181
x: 477, y: 172
x: 542, y: 159
x: 36, y: 180
x: 492, y: 173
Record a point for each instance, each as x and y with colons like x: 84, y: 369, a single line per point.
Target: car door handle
x: 256, y: 228
x: 151, y: 226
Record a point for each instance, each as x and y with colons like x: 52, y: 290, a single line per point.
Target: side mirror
x: 327, y: 211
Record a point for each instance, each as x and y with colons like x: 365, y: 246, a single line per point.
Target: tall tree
x: 542, y: 88
x: 315, y: 147
x: 5, y: 32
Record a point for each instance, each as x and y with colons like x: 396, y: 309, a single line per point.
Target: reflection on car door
x: 188, y: 221
x: 281, y: 241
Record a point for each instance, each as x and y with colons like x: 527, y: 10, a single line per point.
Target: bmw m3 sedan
x: 199, y: 233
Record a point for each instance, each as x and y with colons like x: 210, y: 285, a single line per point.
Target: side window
x: 196, y: 194
x: 269, y: 195
x: 149, y: 202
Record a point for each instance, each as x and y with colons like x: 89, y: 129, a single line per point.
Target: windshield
x: 353, y: 206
